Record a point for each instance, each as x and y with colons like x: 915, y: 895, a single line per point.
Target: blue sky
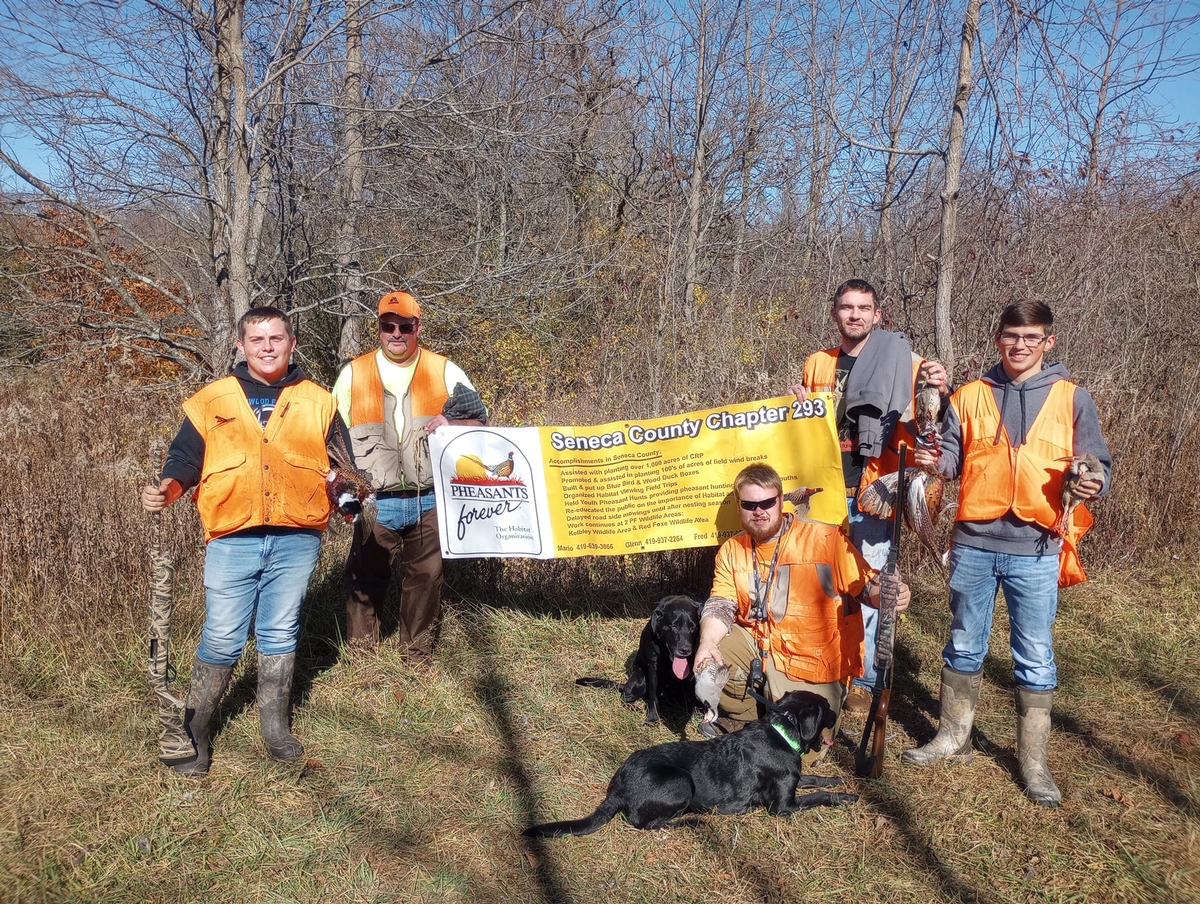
x: 1179, y: 99
x: 1182, y: 95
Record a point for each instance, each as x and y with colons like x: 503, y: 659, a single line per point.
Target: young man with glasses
x: 785, y: 609
x: 392, y: 398
x: 872, y: 375
x: 1010, y: 437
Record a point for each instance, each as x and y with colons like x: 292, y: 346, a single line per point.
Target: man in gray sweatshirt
x: 1017, y: 439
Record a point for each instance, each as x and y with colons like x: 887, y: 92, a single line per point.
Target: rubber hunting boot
x: 205, y: 689
x: 274, y: 699
x: 960, y: 696
x: 1033, y: 738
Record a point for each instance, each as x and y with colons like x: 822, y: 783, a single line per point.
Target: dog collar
x: 782, y: 732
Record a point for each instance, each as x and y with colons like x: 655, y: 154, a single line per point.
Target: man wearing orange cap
x: 392, y: 398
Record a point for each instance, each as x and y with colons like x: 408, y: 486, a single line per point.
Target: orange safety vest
x: 427, y: 391
x: 820, y: 375
x: 814, y: 626
x: 395, y: 460
x: 256, y: 476
x: 997, y: 479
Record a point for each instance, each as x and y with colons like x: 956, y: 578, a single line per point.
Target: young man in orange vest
x: 784, y: 612
x: 392, y: 398
x: 1010, y: 436
x: 254, y: 446
x: 871, y: 399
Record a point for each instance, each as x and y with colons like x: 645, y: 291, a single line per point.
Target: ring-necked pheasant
x: 349, y: 488
x: 504, y: 469
x: 1081, y: 467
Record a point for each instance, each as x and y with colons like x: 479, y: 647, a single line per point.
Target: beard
x: 766, y: 531
x: 856, y: 333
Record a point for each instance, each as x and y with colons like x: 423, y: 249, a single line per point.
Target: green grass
x: 417, y: 784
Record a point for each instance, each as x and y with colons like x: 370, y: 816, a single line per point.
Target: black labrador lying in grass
x: 663, y: 664
x: 758, y: 766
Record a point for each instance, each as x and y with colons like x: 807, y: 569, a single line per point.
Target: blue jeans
x: 1030, y: 586
x: 872, y: 537
x: 397, y: 513
x: 260, y: 576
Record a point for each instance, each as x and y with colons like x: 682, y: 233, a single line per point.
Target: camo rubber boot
x: 274, y: 701
x: 205, y: 689
x: 960, y: 696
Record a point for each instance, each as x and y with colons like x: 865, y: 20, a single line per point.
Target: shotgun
x: 869, y: 756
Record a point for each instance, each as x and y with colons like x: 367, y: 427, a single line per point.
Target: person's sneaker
x: 858, y: 701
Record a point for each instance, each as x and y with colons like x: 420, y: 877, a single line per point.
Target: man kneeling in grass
x: 785, y: 609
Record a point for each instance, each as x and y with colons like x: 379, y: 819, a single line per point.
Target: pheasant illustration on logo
x: 472, y: 469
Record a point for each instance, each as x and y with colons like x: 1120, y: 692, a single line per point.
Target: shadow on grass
x: 612, y: 586
x: 881, y: 797
x: 492, y: 692
x: 999, y: 689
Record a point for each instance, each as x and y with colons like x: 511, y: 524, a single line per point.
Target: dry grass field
x: 417, y: 785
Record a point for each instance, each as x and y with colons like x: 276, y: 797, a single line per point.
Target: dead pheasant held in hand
x: 1081, y: 468
x: 349, y: 489
x: 927, y: 409
x: 710, y: 681
x: 925, y: 500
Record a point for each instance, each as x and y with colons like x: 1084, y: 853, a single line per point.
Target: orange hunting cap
x: 400, y: 303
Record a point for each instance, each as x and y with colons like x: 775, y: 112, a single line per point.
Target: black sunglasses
x: 763, y: 504
x: 393, y: 327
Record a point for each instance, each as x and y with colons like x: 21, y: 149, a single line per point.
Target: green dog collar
x: 782, y: 732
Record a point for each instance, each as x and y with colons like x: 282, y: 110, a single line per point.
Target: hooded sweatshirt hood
x: 1019, y: 403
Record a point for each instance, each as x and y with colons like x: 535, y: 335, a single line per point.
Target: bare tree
x: 954, y: 155
x: 166, y: 120
x: 1101, y: 61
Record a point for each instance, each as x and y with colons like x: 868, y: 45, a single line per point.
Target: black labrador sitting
x: 758, y: 766
x: 663, y: 665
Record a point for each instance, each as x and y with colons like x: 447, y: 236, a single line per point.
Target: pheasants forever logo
x: 485, y: 492
x: 488, y: 501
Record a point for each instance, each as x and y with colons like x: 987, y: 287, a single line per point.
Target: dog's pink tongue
x: 681, y: 667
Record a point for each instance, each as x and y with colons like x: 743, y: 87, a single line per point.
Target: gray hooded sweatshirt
x: 1019, y: 404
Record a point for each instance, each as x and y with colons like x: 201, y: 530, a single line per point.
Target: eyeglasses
x: 392, y: 327
x: 764, y: 504
x: 1027, y: 341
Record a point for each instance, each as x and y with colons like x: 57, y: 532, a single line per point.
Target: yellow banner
x: 628, y: 486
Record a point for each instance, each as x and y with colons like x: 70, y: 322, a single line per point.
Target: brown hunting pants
x: 369, y: 573
x: 739, y: 652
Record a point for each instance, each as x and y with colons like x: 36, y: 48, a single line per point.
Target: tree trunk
x: 954, y: 151
x: 1096, y: 127
x: 230, y: 39
x: 349, y: 269
x: 887, y: 241
x: 696, y: 181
